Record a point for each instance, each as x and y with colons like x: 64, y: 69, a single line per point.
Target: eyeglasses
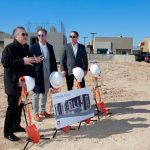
x: 72, y: 36
x: 24, y: 34
x: 42, y: 35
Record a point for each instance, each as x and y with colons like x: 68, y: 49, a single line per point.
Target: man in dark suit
x: 73, y: 55
x: 46, y: 64
x: 16, y: 61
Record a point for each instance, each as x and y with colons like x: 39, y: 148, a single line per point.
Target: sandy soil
x: 125, y: 90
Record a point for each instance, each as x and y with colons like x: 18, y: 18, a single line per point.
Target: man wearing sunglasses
x: 17, y: 62
x: 46, y: 64
x: 73, y: 55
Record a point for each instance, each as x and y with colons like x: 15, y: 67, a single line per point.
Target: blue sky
x: 105, y: 17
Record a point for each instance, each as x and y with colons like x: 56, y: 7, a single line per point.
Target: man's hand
x: 29, y: 60
x: 39, y: 59
x: 55, y: 90
x: 63, y: 73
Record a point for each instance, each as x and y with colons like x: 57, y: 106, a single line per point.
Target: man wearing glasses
x: 42, y: 70
x: 73, y: 55
x: 16, y: 61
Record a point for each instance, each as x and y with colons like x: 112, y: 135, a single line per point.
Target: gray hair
x: 16, y: 29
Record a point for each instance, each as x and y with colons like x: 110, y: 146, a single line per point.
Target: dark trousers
x: 13, y: 115
x: 70, y: 82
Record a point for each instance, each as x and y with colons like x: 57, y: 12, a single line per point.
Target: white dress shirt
x: 44, y: 49
x: 75, y: 49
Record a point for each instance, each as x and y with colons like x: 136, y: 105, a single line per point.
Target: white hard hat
x: 78, y: 73
x: 56, y: 79
x: 95, y: 70
x: 30, y: 83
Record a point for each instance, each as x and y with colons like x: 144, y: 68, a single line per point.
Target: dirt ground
x: 125, y: 88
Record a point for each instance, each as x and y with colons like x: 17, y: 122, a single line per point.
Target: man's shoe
x: 12, y: 137
x: 45, y: 114
x: 36, y: 117
x: 19, y: 129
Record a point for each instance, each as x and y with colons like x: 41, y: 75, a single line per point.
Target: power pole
x: 93, y: 33
x: 84, y: 37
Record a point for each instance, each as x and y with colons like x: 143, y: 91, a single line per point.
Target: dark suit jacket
x: 38, y: 68
x: 12, y: 60
x: 68, y: 60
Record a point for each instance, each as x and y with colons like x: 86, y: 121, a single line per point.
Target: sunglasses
x: 41, y: 35
x: 72, y: 36
x: 24, y: 34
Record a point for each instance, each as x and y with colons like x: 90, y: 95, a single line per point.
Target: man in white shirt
x: 47, y: 64
x: 73, y: 55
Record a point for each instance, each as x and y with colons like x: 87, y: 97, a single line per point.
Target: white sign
x: 72, y: 106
